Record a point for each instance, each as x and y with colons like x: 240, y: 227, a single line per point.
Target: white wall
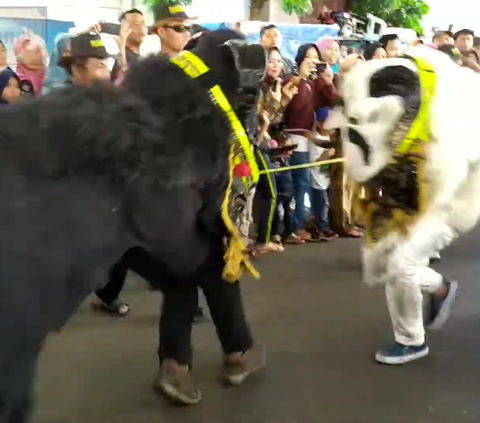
x: 220, y: 10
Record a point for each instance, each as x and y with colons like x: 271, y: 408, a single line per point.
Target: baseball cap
x: 162, y: 12
x: 85, y: 46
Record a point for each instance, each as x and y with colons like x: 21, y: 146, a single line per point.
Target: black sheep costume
x: 86, y: 174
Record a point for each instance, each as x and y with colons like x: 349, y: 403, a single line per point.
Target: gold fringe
x: 235, y: 258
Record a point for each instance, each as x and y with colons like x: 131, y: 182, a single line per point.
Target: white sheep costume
x: 409, y: 134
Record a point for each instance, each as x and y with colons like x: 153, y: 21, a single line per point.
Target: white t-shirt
x: 302, y: 143
x: 319, y: 179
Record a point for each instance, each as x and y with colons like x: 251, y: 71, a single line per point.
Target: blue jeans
x: 301, y: 186
x: 320, y: 207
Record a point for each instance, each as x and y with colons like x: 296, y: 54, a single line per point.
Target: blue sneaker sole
x: 446, y: 308
x: 383, y: 359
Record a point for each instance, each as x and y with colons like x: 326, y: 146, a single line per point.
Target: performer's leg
x: 180, y: 302
x: 18, y: 364
x: 408, y: 275
x: 109, y: 294
x: 226, y: 308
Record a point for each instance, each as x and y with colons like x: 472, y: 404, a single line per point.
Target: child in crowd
x: 319, y: 184
x: 284, y: 182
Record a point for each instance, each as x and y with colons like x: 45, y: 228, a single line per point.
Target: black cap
x: 463, y: 32
x: 175, y: 11
x: 85, y: 46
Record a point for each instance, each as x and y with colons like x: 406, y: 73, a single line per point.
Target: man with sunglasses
x: 173, y: 27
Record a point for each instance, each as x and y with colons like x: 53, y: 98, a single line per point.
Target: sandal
x: 116, y: 307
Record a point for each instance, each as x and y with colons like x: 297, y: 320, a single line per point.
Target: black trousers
x: 139, y: 261
x: 17, y: 382
x: 180, y: 301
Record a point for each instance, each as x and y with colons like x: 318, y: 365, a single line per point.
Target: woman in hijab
x: 56, y: 76
x: 32, y: 59
x: 10, y: 87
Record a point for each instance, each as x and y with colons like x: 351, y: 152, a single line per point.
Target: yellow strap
x: 420, y: 130
x: 235, y: 257
x: 194, y: 67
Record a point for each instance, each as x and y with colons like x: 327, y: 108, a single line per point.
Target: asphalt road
x: 321, y: 327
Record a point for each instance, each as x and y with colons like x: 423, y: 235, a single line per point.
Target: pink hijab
x: 32, y: 59
x: 324, y: 43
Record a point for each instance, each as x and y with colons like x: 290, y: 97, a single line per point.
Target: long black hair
x: 302, y: 53
x: 371, y: 49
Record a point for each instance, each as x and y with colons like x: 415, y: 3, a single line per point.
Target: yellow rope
x: 303, y: 166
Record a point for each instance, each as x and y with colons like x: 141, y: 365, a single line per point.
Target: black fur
x: 398, y: 81
x: 86, y: 174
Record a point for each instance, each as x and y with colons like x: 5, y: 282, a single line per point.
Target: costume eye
x: 353, y: 121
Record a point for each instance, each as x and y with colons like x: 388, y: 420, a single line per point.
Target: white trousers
x: 402, y: 264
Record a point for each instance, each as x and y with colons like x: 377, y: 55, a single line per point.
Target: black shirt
x: 131, y: 58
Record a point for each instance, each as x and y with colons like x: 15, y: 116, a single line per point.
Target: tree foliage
x: 409, y: 14
x: 296, y: 7
x: 150, y: 4
x: 398, y: 13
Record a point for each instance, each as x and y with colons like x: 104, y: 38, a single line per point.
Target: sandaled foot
x: 269, y: 248
x: 175, y: 383
x: 117, y: 308
x: 293, y: 240
x: 238, y: 367
x: 276, y: 239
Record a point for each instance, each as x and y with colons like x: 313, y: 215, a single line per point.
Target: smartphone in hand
x: 110, y: 28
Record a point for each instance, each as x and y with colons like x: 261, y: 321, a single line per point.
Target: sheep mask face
x: 381, y: 100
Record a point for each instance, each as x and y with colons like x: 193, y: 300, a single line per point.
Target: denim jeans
x: 320, y: 207
x: 265, y: 196
x: 301, y: 186
x: 287, y: 227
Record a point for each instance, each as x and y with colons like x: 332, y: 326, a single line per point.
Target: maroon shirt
x: 300, y: 112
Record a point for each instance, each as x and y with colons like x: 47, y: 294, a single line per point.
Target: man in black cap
x: 88, y: 60
x: 173, y: 26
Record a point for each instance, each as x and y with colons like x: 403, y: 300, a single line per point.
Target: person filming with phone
x: 315, y: 89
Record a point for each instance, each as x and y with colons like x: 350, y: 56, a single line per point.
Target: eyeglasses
x: 179, y: 28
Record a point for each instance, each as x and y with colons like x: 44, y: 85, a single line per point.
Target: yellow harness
x: 235, y: 258
x: 413, y: 146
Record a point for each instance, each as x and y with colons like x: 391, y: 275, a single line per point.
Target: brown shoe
x: 303, y: 234
x: 175, y: 382
x: 237, y: 367
x: 328, y: 235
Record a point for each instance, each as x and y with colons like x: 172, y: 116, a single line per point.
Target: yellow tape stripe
x: 420, y: 129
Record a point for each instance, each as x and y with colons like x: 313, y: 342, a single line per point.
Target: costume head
x: 226, y: 49
x: 382, y: 99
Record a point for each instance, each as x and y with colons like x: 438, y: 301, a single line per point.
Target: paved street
x: 321, y: 327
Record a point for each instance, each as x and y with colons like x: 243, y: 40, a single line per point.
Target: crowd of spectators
x: 288, y: 206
